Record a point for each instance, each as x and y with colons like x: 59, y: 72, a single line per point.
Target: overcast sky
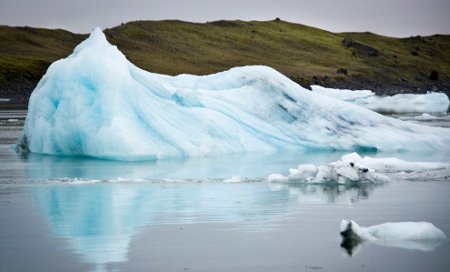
x: 388, y: 17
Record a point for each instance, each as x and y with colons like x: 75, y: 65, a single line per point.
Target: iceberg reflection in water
x: 352, y: 247
x: 100, y: 220
x: 250, y: 165
x: 109, y: 222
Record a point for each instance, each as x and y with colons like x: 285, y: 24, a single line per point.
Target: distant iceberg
x: 401, y: 103
x: 353, y: 168
x: 96, y: 103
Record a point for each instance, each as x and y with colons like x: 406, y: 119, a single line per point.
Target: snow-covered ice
x: 96, y: 103
x: 410, y: 235
x: 431, y: 102
x: 353, y: 168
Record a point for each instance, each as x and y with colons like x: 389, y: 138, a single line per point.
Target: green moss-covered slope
x: 305, y: 54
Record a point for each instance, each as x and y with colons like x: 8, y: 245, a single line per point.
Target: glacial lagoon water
x: 81, y: 214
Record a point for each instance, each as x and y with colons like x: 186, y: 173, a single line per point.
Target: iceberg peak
x: 97, y: 32
x: 96, y: 103
x: 96, y: 39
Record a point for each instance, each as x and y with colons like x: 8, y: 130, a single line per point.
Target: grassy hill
x: 305, y: 54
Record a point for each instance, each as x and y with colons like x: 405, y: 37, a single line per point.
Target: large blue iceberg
x: 96, y: 103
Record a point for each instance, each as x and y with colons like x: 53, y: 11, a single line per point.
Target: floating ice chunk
x: 387, y: 165
x: 277, y: 178
x: 348, y: 169
x: 405, y: 231
x: 401, y: 103
x: 234, y: 179
x: 407, y: 103
x: 343, y: 94
x: 96, y: 103
x: 350, y: 230
x: 422, y: 117
x: 426, y: 116
x: 437, y: 120
x: 303, y: 171
x: 410, y: 235
x: 352, y: 168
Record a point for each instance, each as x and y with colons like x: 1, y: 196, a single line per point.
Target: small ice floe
x: 424, y: 116
x: 234, y: 179
x: 409, y: 235
x: 77, y: 181
x: 343, y: 94
x: 436, y: 120
x: 72, y: 181
x: 238, y: 179
x: 430, y: 102
x: 353, y: 168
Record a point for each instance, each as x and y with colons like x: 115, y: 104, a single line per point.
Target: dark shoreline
x: 379, y: 88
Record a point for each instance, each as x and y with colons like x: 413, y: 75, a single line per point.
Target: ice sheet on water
x: 82, y: 181
x: 353, y: 168
x: 431, y: 102
x: 96, y: 103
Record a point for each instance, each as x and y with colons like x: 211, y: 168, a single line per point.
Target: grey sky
x: 387, y: 17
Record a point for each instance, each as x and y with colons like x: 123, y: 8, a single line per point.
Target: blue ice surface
x: 96, y: 103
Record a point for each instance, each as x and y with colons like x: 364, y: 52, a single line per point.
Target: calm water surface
x: 79, y: 214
